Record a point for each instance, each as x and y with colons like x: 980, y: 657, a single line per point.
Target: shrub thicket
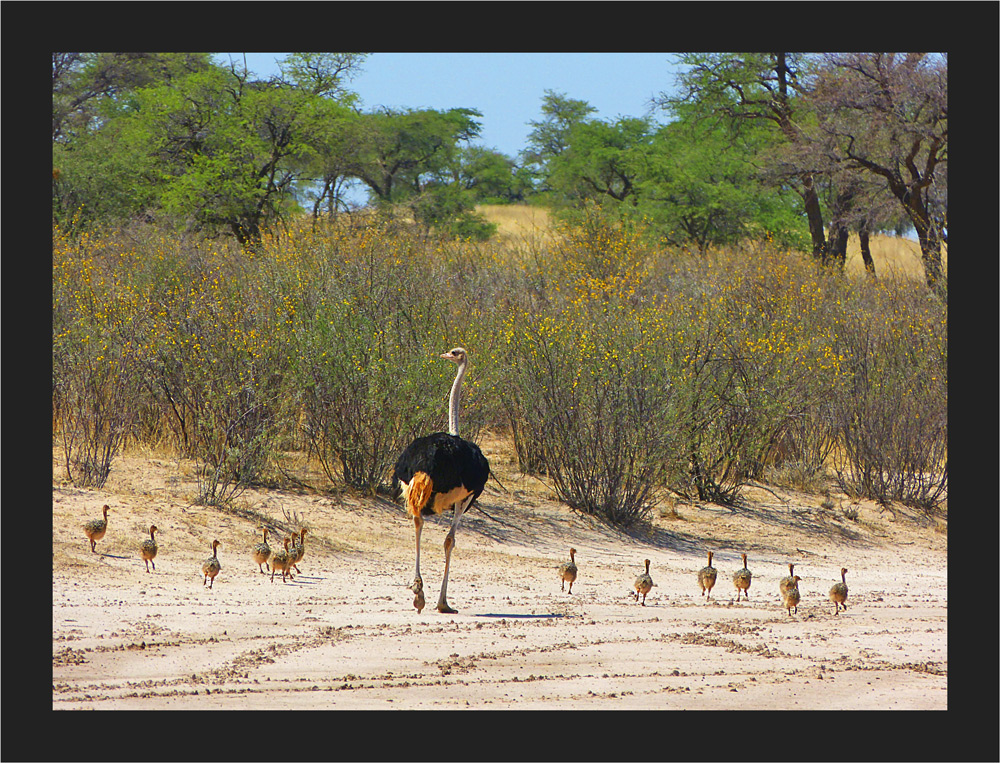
x: 364, y: 332
x: 100, y: 344
x: 619, y: 368
x: 892, y: 417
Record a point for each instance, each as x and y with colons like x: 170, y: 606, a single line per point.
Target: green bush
x: 365, y: 395
x: 367, y: 319
x: 588, y: 398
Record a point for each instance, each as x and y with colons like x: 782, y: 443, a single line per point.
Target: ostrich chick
x: 790, y: 596
x: 838, y: 594
x: 298, y: 550
x: 742, y: 579
x: 707, y: 576
x: 96, y: 528
x: 148, y: 548
x: 281, y: 561
x: 643, y: 584
x: 787, y: 581
x: 211, y: 566
x: 567, y: 571
x: 262, y: 552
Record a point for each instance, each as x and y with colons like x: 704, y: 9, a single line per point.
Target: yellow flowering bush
x: 620, y: 367
x: 101, y: 340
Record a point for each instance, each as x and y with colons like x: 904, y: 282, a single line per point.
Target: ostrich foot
x: 418, y: 599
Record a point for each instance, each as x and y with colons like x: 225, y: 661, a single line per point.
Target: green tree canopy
x: 398, y: 151
x: 768, y: 91
x: 87, y: 87
x: 208, y: 146
x: 601, y: 160
x: 701, y: 189
x: 695, y: 180
x: 549, y: 136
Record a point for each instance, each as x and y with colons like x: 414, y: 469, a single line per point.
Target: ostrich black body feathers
x: 448, y: 460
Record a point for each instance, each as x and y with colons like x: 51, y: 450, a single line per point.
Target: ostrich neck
x: 454, y: 400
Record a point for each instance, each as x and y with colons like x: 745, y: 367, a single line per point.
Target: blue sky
x: 507, y: 88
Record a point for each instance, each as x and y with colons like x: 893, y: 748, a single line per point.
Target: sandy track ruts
x: 344, y: 635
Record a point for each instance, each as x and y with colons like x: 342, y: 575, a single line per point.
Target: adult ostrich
x: 440, y: 471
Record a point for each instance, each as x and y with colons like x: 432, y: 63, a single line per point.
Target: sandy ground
x: 344, y: 634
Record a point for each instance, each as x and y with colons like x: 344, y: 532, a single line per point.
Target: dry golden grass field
x: 893, y: 256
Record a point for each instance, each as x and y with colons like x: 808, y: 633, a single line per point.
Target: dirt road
x: 344, y: 635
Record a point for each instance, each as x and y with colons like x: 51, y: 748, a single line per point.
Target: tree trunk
x: 815, y: 217
x: 783, y: 115
x: 836, y: 248
x: 930, y: 253
x: 927, y: 235
x: 866, y: 251
x: 836, y: 251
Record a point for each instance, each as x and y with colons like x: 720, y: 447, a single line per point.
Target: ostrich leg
x: 449, y: 544
x: 418, y: 525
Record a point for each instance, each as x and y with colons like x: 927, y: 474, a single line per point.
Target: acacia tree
x: 320, y: 154
x: 490, y: 176
x: 692, y: 179
x: 602, y: 160
x: 224, y: 143
x: 324, y: 150
x: 699, y: 186
x: 328, y: 158
x: 213, y: 147
x: 415, y: 158
x: 764, y: 88
x: 887, y: 117
x: 396, y: 150
x: 549, y: 137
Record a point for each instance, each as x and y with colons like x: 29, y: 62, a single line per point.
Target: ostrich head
x: 455, y: 355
